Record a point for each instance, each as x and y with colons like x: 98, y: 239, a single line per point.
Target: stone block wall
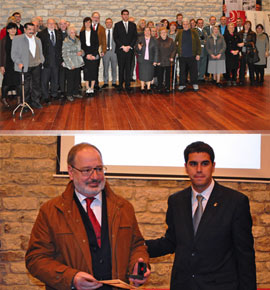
x: 75, y: 11
x: 27, y: 165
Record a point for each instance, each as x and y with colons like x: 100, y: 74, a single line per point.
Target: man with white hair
x: 189, y: 51
x: 96, y: 26
x: 52, y: 50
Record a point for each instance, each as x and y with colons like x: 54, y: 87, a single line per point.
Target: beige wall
x: 27, y: 167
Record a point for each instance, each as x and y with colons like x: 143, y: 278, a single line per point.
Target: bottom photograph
x: 135, y: 209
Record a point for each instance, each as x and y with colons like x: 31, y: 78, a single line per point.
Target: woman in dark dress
x: 11, y: 78
x: 248, y: 41
x: 147, y: 51
x: 90, y: 44
x: 232, y: 54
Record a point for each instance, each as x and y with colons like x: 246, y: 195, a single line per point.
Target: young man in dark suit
x: 125, y: 36
x: 209, y: 230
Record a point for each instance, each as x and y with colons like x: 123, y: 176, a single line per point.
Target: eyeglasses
x: 89, y: 171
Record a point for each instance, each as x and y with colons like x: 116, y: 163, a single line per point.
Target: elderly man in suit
x: 203, y: 58
x: 96, y: 26
x: 125, y: 37
x: 52, y: 50
x: 110, y: 56
x: 88, y: 233
x: 26, y: 53
x: 209, y: 230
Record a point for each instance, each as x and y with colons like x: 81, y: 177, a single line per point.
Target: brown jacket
x: 59, y: 248
x: 102, y: 38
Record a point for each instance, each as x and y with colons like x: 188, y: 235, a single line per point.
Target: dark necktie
x: 52, y: 38
x: 109, y: 40
x: 94, y: 27
x: 93, y: 219
x: 198, y: 213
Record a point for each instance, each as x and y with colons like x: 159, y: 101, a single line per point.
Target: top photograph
x: 131, y: 65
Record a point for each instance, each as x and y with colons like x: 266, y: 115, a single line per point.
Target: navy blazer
x: 122, y: 38
x: 221, y: 255
x: 94, y: 43
x: 46, y: 42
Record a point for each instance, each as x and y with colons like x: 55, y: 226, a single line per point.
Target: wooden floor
x: 230, y: 108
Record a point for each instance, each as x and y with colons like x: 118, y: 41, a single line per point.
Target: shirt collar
x: 82, y: 197
x: 206, y: 193
x: 30, y: 38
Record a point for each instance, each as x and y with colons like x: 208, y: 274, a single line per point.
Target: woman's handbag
x: 253, y: 55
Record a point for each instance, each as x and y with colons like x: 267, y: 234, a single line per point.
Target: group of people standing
x: 53, y: 57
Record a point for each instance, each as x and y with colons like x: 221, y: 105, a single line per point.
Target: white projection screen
x: 159, y: 154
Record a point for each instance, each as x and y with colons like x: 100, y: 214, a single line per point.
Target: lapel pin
x: 215, y: 204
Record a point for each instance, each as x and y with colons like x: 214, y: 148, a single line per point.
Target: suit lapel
x: 187, y: 213
x: 210, y: 211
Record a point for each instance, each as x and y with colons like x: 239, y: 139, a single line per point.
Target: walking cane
x: 23, y: 103
x: 174, y: 73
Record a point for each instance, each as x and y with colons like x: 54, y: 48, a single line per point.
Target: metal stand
x: 23, y: 104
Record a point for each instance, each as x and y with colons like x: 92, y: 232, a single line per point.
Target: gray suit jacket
x: 20, y: 51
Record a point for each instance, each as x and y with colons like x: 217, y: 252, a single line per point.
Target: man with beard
x: 88, y: 233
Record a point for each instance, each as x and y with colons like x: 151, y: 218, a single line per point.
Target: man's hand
x: 2, y: 70
x: 126, y: 48
x: 198, y: 57
x: 20, y: 66
x: 84, y: 280
x: 138, y: 282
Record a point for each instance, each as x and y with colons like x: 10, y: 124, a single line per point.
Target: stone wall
x: 75, y: 11
x: 27, y: 167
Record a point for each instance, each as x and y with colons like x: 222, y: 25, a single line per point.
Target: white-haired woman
x: 73, y: 61
x: 216, y: 47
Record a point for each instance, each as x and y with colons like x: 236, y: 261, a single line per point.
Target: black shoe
x: 36, y: 105
x: 128, y: 89
x: 119, y: 89
x: 5, y: 103
x: 252, y: 83
x: 97, y: 88
x: 229, y: 83
x: 219, y: 85
x: 201, y: 81
x: 114, y: 85
x: 26, y: 109
x: 132, y: 80
x: 47, y: 101
x: 149, y: 91
x: 104, y: 86
x: 167, y: 91
x: 143, y: 91
x: 241, y: 83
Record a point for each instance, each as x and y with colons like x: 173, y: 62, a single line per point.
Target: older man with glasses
x: 87, y: 234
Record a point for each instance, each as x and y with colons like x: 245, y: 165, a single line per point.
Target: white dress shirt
x: 206, y: 195
x: 96, y: 205
x: 126, y: 25
x: 87, y: 37
x: 32, y: 45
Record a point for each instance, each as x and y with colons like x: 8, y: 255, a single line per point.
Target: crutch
x: 23, y: 103
x: 174, y: 72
